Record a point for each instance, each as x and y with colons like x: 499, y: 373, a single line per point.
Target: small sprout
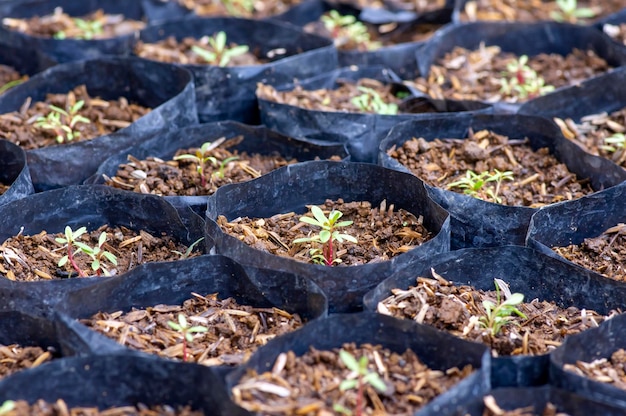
x: 70, y: 242
x: 62, y: 122
x: 98, y: 255
x: 363, y: 377
x: 473, y: 183
x: 614, y: 142
x: 523, y: 82
x: 7, y: 406
x: 201, y: 157
x: 570, y: 12
x: 348, y: 30
x: 4, y: 88
x: 85, y: 29
x: 327, y: 235
x: 500, y: 314
x: 189, y: 250
x: 220, y: 54
x: 238, y: 7
x: 187, y: 331
x: 370, y: 101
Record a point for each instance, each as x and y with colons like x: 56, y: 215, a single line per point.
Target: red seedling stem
x: 70, y: 257
x: 359, y: 397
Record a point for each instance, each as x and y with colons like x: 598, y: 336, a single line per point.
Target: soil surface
x: 171, y: 50
x: 30, y: 258
x: 616, y: 32
x: 14, y: 358
x: 59, y: 25
x: 538, y: 178
x: 257, y: 9
x: 181, y: 177
x: 460, y: 311
x: 420, y: 6
x: 534, y: 10
x: 492, y: 409
x: 605, y: 254
x: 233, y: 333
x: 105, y: 117
x: 599, y: 134
x: 309, y: 385
x: 4, y: 188
x: 340, y: 99
x: 481, y: 74
x: 60, y: 408
x: 603, y: 370
x: 9, y: 78
x: 381, y: 232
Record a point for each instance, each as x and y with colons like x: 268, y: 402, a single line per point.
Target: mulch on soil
x: 60, y: 25
x: 31, y: 258
x: 458, y: 310
x: 309, y: 384
x: 603, y: 370
x: 616, y: 32
x: 9, y: 77
x: 538, y: 177
x: 257, y: 9
x: 14, y: 358
x: 233, y: 333
x: 106, y: 117
x: 605, y: 254
x: 464, y: 74
x: 492, y: 409
x: 60, y: 408
x: 382, y: 232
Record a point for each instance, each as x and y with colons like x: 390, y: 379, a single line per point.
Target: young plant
x: 370, y: 101
x: 6, y: 407
x: 473, y: 183
x: 238, y: 7
x: 363, y: 378
x: 62, y: 122
x: 523, y: 82
x: 189, y: 250
x: 328, y: 234
x: 614, y: 142
x: 187, y: 331
x: 220, y: 53
x: 11, y: 84
x: 202, y: 156
x: 98, y: 255
x: 570, y: 12
x: 346, y: 29
x: 501, y: 313
x: 69, y: 242
x: 85, y: 29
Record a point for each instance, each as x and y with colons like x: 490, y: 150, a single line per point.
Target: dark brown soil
x: 21, y: 127
x: 234, y: 331
x: 4, y: 188
x: 9, y: 78
x: 611, y: 371
x: 247, y: 8
x: 592, y: 132
x: 172, y: 51
x: 339, y: 99
x: 538, y: 177
x: 180, y: 177
x: 492, y: 409
x: 61, y: 25
x: 309, y: 385
x: 616, y: 32
x: 420, y: 6
x: 479, y: 75
x: 60, y: 408
x: 381, y: 232
x: 533, y: 10
x: 14, y: 358
x: 30, y: 258
x: 458, y: 309
x: 605, y: 254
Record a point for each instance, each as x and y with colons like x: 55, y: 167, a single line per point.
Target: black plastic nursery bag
x: 14, y: 173
x: 166, y: 89
x: 227, y: 93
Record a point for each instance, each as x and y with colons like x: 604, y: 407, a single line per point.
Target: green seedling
x: 187, y: 331
x: 70, y: 243
x: 346, y: 29
x: 220, y: 54
x: 62, y: 122
x: 614, y: 142
x: 329, y: 233
x: 238, y: 7
x: 98, y: 255
x: 501, y: 313
x: 86, y: 29
x: 7, y: 406
x: 473, y: 184
x: 11, y: 84
x: 570, y: 12
x: 189, y: 250
x: 202, y: 156
x: 363, y: 377
x: 370, y: 101
x: 522, y: 81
